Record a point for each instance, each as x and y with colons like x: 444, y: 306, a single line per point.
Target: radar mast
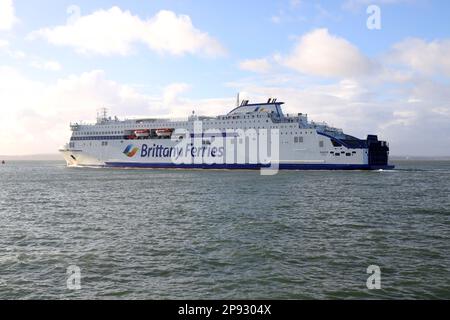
x: 102, y: 115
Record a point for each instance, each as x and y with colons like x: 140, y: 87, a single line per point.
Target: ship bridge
x: 271, y: 107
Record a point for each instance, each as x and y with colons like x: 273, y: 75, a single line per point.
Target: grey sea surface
x: 193, y: 234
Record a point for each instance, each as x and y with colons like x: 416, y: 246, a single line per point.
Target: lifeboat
x: 164, y: 133
x: 142, y: 133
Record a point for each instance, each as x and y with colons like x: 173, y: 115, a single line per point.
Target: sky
x: 369, y: 70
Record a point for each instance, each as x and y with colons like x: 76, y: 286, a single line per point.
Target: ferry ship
x: 251, y: 136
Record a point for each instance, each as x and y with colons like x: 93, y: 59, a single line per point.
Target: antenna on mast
x: 237, y: 100
x: 102, y: 115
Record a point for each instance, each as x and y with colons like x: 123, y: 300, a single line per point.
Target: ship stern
x: 378, y: 152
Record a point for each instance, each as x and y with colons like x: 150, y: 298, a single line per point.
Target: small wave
x: 388, y: 171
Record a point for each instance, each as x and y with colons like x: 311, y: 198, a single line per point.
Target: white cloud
x: 171, y: 92
x: 256, y: 65
x: 116, y: 32
x: 33, y: 61
x: 49, y: 65
x: 175, y: 105
x: 7, y: 15
x: 4, y: 44
x: 5, y: 47
x: 320, y: 54
x: 428, y: 58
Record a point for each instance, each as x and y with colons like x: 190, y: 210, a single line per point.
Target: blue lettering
x: 144, y: 150
x: 166, y: 152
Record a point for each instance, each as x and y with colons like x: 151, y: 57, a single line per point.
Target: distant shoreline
x: 417, y: 158
x: 33, y: 157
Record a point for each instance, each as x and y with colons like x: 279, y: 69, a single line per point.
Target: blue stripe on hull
x: 294, y: 166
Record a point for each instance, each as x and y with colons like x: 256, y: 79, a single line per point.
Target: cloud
x: 428, y: 58
x: 49, y: 65
x: 319, y: 53
x: 5, y: 47
x: 117, y: 32
x: 256, y: 65
x: 172, y: 91
x: 33, y: 61
x: 4, y: 44
x: 7, y: 15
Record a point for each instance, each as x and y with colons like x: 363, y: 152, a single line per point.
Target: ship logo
x: 130, y: 151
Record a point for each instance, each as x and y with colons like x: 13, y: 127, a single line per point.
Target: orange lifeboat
x: 142, y: 133
x: 164, y: 133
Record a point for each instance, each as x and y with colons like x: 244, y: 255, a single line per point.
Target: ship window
x: 337, y: 154
x: 321, y: 144
x: 348, y: 154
